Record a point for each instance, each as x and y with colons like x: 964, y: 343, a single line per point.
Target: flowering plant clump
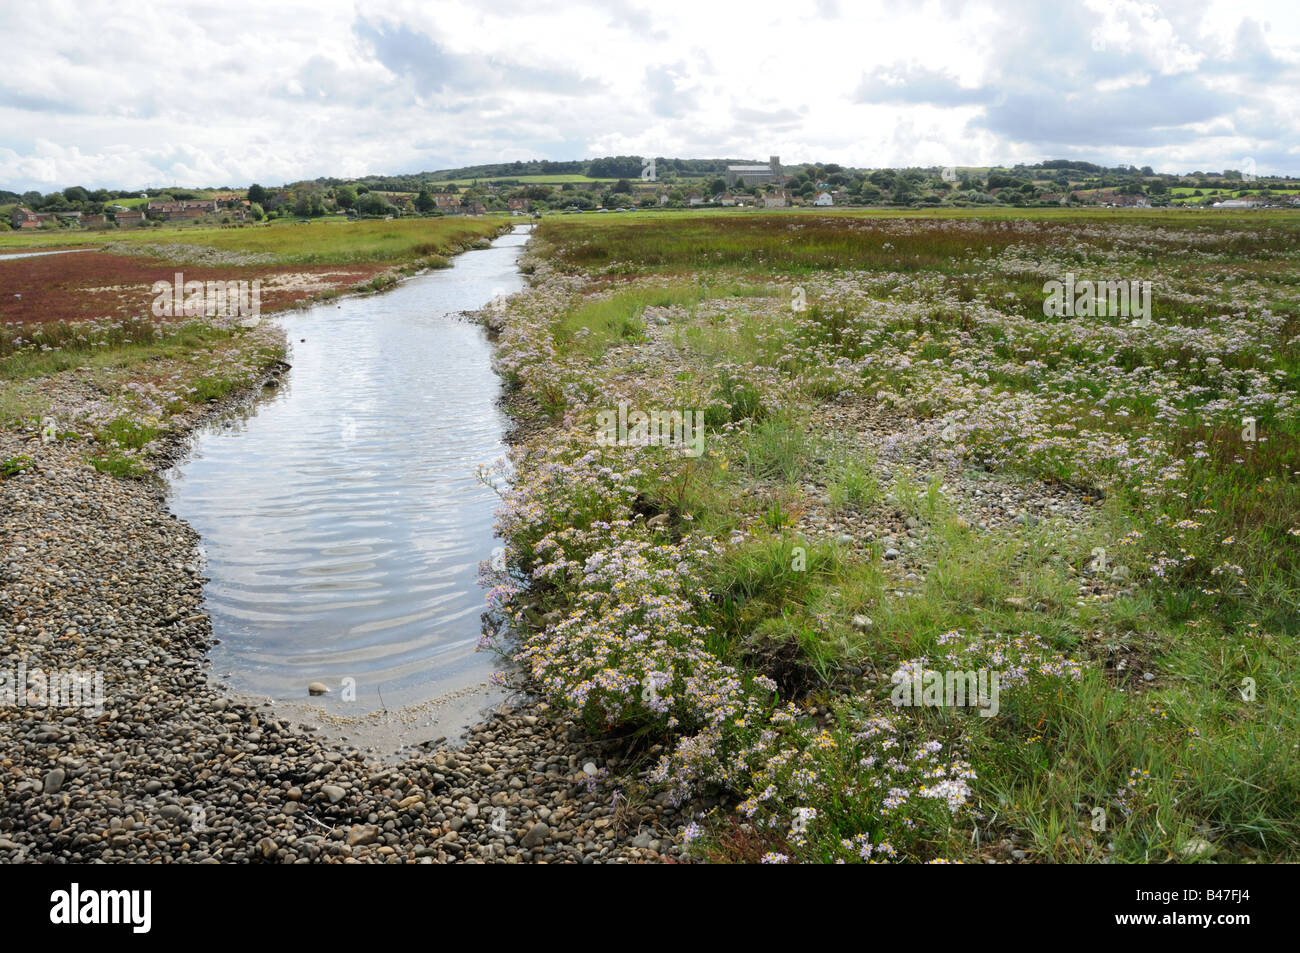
x: 884, y: 783
x: 623, y: 647
x: 1018, y: 659
x: 872, y: 790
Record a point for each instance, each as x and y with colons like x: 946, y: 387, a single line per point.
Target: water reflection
x: 342, y: 522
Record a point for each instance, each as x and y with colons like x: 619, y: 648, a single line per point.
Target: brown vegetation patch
x: 99, y: 285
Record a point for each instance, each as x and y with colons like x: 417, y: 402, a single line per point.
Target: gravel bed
x: 98, y: 578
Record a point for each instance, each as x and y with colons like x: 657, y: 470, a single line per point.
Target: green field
x: 868, y: 382
x: 325, y: 241
x: 673, y: 241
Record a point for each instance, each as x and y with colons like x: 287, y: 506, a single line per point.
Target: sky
x: 149, y: 94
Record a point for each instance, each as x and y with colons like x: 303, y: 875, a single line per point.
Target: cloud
x: 1252, y: 56
x: 189, y: 93
x: 913, y: 83
x: 1114, y: 78
x: 322, y: 79
x: 661, y: 84
x: 433, y: 69
x: 634, y: 19
x: 1165, y: 110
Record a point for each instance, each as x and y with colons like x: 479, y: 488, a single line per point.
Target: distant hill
x: 1053, y: 181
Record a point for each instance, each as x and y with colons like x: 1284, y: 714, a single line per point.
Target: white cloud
x: 188, y: 93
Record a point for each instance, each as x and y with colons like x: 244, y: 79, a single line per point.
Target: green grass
x: 1213, y: 774
x: 123, y: 344
x: 602, y: 322
x: 21, y: 401
x: 851, y: 479
x: 365, y: 241
x: 776, y: 448
x: 12, y: 466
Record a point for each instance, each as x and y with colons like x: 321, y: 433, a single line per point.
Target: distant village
x: 623, y: 183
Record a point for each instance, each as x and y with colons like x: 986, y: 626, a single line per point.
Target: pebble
x: 536, y: 835
x: 362, y: 834
x: 54, y: 781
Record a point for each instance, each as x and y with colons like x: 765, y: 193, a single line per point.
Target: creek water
x: 37, y: 254
x: 341, y: 517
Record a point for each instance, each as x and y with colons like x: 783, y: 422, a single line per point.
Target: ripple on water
x: 342, y: 520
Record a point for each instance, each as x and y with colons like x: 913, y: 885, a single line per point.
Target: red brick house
x: 188, y: 209
x: 24, y: 218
